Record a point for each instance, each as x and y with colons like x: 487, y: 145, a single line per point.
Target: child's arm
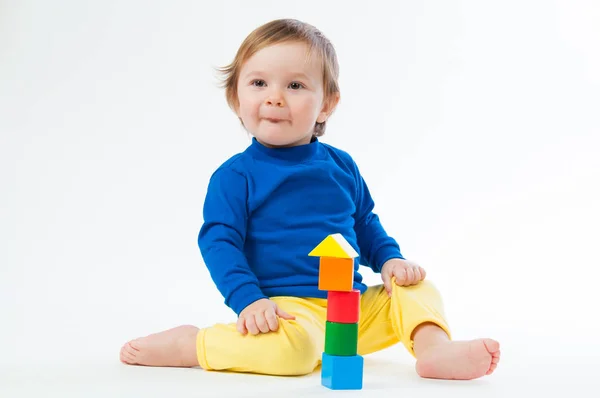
x: 221, y: 239
x: 378, y: 250
x: 376, y: 246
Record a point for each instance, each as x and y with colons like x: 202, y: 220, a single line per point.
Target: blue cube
x: 342, y: 372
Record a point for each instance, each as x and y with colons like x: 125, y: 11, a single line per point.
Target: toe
x: 129, y: 352
x: 492, y: 345
x: 133, y: 346
x: 126, y: 357
x: 493, y: 367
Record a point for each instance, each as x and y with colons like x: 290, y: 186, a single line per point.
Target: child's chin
x: 276, y: 139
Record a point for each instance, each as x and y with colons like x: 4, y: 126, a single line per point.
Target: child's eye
x: 258, y: 83
x: 296, y: 86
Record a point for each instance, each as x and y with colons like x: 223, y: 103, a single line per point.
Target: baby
x: 267, y: 207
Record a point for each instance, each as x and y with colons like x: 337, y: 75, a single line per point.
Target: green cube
x: 341, y: 339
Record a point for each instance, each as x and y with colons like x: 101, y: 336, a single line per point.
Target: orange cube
x: 336, y: 274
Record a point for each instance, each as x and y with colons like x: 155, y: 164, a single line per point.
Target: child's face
x: 281, y: 95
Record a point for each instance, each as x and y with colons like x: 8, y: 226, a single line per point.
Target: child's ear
x: 328, y: 107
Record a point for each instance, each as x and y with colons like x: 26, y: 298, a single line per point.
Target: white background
x: 476, y: 125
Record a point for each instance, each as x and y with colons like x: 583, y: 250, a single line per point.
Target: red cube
x: 343, y: 307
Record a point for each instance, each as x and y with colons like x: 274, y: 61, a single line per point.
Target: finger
x: 241, y: 325
x: 251, y: 325
x: 261, y: 322
x: 400, y: 276
x: 423, y: 273
x: 272, y: 321
x: 410, y: 276
x: 417, y: 273
x: 387, y: 283
x: 281, y: 313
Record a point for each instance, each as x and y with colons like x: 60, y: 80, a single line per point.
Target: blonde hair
x: 282, y: 31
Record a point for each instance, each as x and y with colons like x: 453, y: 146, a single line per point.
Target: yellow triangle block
x: 334, y: 245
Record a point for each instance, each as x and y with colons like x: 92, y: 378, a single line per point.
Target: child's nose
x: 275, y: 99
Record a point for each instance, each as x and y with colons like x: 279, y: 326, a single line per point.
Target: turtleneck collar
x: 294, y: 154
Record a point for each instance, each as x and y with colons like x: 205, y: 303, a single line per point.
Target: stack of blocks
x: 342, y: 367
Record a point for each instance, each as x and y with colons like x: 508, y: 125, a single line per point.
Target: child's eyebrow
x: 260, y: 73
x: 301, y: 75
x: 251, y: 73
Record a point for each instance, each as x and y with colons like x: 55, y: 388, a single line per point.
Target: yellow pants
x: 296, y: 347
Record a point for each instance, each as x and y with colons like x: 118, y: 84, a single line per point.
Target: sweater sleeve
x: 376, y: 246
x: 222, y: 236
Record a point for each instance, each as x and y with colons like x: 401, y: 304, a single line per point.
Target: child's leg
x: 414, y: 316
x: 294, y: 349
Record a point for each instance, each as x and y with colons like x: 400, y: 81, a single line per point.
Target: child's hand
x: 261, y: 316
x: 406, y: 272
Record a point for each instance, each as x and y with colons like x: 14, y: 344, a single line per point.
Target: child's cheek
x: 250, y: 110
x: 254, y: 112
x: 308, y: 109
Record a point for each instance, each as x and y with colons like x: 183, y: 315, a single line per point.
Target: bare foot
x: 174, y: 347
x: 459, y: 360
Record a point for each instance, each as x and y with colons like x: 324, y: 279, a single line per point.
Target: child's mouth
x: 273, y: 120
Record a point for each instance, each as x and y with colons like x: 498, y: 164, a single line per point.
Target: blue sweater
x: 266, y: 209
